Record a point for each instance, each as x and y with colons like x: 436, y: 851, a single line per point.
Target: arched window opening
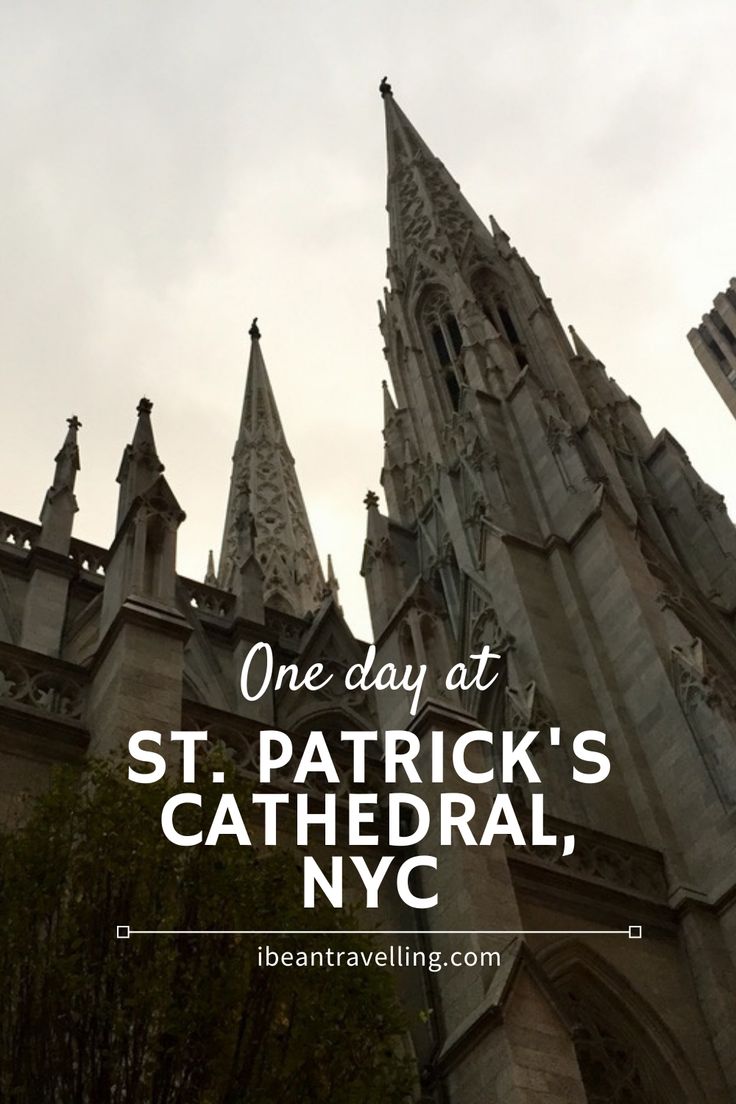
x: 443, y: 330
x: 508, y: 325
x: 153, y: 555
x: 453, y: 389
x: 609, y: 1067
x: 624, y: 1051
x: 440, y: 346
x: 512, y: 334
x: 493, y: 305
x: 406, y: 646
x: 454, y: 333
x: 427, y: 630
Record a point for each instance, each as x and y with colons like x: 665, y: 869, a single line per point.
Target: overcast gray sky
x: 172, y: 169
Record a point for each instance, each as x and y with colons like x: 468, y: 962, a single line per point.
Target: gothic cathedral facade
x: 528, y: 507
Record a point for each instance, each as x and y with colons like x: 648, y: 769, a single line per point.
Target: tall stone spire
x: 530, y: 509
x: 424, y: 201
x: 265, y: 505
x: 140, y: 465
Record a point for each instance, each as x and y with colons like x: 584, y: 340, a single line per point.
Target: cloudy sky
x: 172, y: 169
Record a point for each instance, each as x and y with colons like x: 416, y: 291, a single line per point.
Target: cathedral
x: 527, y: 507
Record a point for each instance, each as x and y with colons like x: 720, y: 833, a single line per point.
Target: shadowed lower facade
x: 528, y: 507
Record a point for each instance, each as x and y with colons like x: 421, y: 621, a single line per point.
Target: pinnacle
x: 210, y: 577
x: 140, y: 466
x: 581, y: 349
x: 60, y: 505
x: 332, y: 586
x: 499, y: 234
x: 67, y: 459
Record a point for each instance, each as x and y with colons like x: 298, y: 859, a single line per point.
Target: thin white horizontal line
x: 378, y: 931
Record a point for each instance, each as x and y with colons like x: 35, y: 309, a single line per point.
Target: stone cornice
x: 55, y: 563
x: 144, y: 612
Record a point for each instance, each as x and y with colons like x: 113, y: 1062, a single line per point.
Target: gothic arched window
x: 406, y: 646
x: 609, y: 1067
x: 445, y: 341
x: 624, y: 1051
x: 494, y: 305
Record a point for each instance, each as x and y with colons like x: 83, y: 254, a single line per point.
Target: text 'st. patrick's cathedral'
x: 529, y: 508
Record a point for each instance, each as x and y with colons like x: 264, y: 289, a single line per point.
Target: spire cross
x: 145, y: 406
x: 371, y: 500
x: 74, y: 422
x: 254, y: 332
x: 385, y: 88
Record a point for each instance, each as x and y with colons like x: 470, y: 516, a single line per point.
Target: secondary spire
x: 266, y: 515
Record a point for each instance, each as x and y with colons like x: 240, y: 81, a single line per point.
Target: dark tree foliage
x: 86, y: 1018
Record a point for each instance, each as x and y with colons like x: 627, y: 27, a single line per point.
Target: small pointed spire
x: 389, y: 406
x: 331, y: 585
x: 67, y: 459
x: 581, y: 349
x: 211, y: 575
x: 500, y: 238
x: 266, y: 516
x: 140, y: 465
x: 60, y: 504
x: 377, y: 524
x: 498, y: 233
x: 381, y: 566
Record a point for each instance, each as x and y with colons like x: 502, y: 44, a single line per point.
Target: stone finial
x: 74, y: 423
x: 210, y: 577
x: 371, y: 501
x: 385, y: 88
x: 331, y: 586
x: 254, y: 333
x: 140, y: 465
x: 581, y: 349
x: 498, y: 232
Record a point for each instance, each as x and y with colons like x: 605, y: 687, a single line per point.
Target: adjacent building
x: 714, y: 342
